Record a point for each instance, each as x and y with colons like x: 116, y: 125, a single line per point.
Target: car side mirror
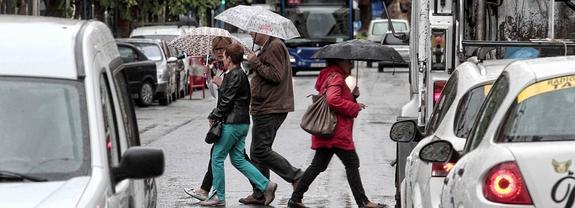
x: 140, y: 163
x: 439, y: 151
x: 172, y: 59
x: 404, y: 131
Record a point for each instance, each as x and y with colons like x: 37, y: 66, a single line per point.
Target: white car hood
x: 43, y: 194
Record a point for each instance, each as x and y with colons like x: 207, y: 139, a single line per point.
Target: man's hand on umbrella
x: 251, y: 56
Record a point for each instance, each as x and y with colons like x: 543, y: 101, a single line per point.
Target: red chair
x: 196, y: 77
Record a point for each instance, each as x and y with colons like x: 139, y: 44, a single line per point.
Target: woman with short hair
x: 233, y: 110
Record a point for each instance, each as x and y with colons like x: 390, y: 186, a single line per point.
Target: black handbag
x: 214, y: 133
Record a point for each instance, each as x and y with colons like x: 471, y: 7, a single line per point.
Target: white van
x: 69, y: 135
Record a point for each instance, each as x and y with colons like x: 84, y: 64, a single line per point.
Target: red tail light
x: 437, y: 87
x: 504, y: 184
x: 441, y: 169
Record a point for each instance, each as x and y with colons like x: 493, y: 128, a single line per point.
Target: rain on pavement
x: 179, y: 130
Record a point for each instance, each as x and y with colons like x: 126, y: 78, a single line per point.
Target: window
x: 152, y: 51
x: 381, y: 28
x: 467, y: 110
x: 541, y: 112
x: 44, y: 128
x: 445, y: 100
x: 110, y: 126
x: 487, y: 111
x: 128, y: 54
x: 126, y: 108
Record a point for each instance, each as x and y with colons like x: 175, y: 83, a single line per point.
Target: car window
x: 444, y: 103
x: 152, y: 51
x: 542, y: 112
x: 128, y: 54
x: 487, y: 111
x: 110, y: 126
x: 380, y: 28
x: 126, y: 108
x: 468, y: 108
x: 44, y: 128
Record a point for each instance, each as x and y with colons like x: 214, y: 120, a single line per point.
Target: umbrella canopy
x: 259, y: 20
x: 361, y: 50
x: 198, y: 42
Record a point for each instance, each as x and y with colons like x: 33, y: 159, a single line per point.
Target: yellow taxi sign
x: 546, y: 86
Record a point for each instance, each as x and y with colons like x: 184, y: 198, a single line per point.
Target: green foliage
x: 140, y: 10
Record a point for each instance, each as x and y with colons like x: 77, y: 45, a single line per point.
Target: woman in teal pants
x: 233, y: 110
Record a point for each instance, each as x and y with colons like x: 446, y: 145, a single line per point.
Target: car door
x: 466, y: 168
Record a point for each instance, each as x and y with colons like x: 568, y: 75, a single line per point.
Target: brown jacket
x: 271, y: 86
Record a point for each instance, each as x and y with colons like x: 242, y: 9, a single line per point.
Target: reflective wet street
x: 179, y: 130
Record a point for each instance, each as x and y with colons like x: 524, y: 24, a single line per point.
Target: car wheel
x: 146, y: 94
x: 293, y: 72
x: 166, y: 99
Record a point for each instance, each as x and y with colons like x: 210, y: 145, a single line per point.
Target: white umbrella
x: 259, y: 20
x: 198, y: 42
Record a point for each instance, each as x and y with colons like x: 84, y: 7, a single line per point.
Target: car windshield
x: 380, y: 28
x: 319, y: 20
x: 542, y: 112
x: 44, y: 134
x: 468, y: 108
x: 152, y: 51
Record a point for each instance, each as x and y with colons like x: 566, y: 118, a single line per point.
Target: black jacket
x: 234, y: 99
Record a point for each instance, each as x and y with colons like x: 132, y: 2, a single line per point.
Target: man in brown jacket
x: 272, y: 99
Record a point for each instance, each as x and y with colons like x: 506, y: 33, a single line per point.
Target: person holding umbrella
x: 342, y: 101
x: 233, y: 110
x: 215, y: 73
x: 271, y: 88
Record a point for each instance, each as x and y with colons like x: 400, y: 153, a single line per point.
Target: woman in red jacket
x: 342, y: 101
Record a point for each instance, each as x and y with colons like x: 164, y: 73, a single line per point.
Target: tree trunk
x: 364, y: 14
x: 22, y: 7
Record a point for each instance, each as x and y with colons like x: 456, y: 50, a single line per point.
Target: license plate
x: 317, y: 65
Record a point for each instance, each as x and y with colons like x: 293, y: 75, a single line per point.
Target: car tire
x: 166, y: 99
x: 293, y: 72
x: 145, y: 94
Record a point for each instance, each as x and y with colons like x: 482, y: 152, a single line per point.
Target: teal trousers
x: 232, y: 142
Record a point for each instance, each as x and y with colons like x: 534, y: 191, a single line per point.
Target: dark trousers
x: 264, y: 131
x: 208, y: 178
x: 319, y: 164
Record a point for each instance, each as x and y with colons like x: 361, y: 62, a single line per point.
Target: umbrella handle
x: 356, y: 73
x: 254, y: 41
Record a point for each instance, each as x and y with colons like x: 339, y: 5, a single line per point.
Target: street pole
x: 551, y: 19
x: 67, y: 7
x: 35, y: 8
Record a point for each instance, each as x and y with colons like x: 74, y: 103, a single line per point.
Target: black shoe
x: 294, y: 204
x: 270, y: 192
x: 252, y: 200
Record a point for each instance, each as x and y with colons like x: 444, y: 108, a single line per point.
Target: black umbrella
x: 361, y: 50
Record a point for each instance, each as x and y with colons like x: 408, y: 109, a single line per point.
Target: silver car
x: 69, y: 134
x: 520, y: 150
x: 451, y: 120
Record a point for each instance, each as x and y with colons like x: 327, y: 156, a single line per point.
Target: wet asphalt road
x: 179, y: 130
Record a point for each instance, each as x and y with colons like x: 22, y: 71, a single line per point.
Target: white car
x: 167, y: 32
x: 69, y: 135
x: 451, y: 120
x: 380, y: 32
x: 520, y: 150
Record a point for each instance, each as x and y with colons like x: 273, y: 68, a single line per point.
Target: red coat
x: 342, y: 102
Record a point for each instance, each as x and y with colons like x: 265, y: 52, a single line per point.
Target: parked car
x: 451, y: 120
x: 520, y: 150
x: 167, y: 32
x: 166, y: 65
x: 69, y: 132
x: 380, y: 32
x: 140, y: 72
